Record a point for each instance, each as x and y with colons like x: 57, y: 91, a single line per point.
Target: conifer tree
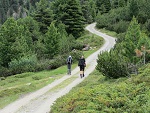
x: 51, y: 41
x: 131, y: 38
x: 103, y: 6
x: 43, y: 15
x: 30, y: 24
x: 15, y: 41
x: 69, y: 13
x: 65, y: 41
x: 133, y: 8
x: 73, y: 18
x: 92, y: 9
x: 86, y: 9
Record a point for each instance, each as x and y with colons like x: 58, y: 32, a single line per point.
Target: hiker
x: 82, y: 65
x: 69, y: 62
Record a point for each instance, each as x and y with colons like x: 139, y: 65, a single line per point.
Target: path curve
x: 41, y: 100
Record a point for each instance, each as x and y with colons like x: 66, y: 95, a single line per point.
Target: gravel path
x: 41, y: 100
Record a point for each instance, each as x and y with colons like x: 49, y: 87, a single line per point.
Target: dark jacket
x: 81, y: 62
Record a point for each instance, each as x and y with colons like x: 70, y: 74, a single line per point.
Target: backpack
x: 69, y: 60
x: 81, y: 62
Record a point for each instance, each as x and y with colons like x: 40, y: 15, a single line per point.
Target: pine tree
x: 103, y: 6
x: 43, y: 15
x: 15, y: 41
x: 92, y: 9
x: 30, y: 24
x: 65, y: 41
x: 9, y: 32
x: 131, y: 38
x: 73, y: 18
x: 133, y: 8
x: 86, y: 8
x: 58, y: 7
x: 51, y: 41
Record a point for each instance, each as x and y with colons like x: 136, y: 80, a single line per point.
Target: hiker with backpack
x: 82, y: 65
x: 69, y: 62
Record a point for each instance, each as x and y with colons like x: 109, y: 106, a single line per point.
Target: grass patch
x: 110, y: 33
x: 92, y: 40
x: 63, y: 84
x: 98, y: 94
x: 88, y: 53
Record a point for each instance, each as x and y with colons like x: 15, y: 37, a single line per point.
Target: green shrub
x: 102, y: 21
x: 147, y: 26
x: 24, y: 64
x: 4, y: 72
x: 77, y: 45
x: 42, y: 64
x: 36, y: 77
x: 112, y: 65
x: 47, y: 64
x: 121, y: 26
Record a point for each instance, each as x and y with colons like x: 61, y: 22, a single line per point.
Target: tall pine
x: 103, y: 6
x: 132, y: 37
x: 51, y: 41
x: 43, y: 15
x: 12, y: 39
x: 73, y: 18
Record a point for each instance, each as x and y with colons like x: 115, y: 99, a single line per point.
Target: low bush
x: 24, y: 64
x: 77, y: 45
x: 42, y: 64
x: 4, y: 72
x: 112, y: 65
x: 36, y: 77
x: 121, y: 26
x: 47, y: 64
x: 102, y: 21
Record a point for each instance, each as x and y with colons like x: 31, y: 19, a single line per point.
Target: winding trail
x: 41, y: 100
